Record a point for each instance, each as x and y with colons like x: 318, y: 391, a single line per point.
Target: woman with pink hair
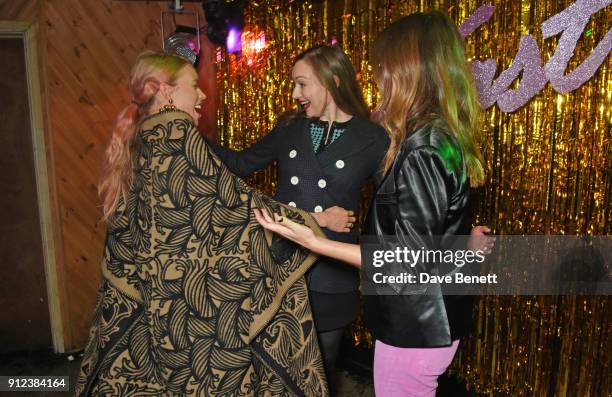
x: 196, y: 299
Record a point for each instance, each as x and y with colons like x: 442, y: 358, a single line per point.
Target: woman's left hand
x: 339, y: 220
x: 293, y: 231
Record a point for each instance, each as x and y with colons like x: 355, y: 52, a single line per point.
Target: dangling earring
x: 169, y: 107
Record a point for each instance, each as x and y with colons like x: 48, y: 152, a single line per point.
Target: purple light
x: 192, y: 45
x: 234, y: 40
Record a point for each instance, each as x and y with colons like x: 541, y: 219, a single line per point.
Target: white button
x: 339, y: 164
x: 322, y: 183
x: 294, y: 180
x: 292, y: 153
x: 318, y: 208
x: 291, y: 204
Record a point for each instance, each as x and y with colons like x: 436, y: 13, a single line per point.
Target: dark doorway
x: 24, y: 322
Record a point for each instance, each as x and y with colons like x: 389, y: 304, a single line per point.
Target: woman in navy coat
x: 325, y: 152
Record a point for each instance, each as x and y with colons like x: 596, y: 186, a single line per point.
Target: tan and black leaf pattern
x: 172, y: 218
x: 201, y: 211
x: 194, y: 303
x: 234, y: 216
x: 177, y: 181
x: 198, y: 185
x: 198, y: 153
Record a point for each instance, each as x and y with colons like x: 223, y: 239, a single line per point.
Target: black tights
x: 329, y: 342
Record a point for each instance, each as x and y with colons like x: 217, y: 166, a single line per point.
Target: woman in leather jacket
x: 430, y: 109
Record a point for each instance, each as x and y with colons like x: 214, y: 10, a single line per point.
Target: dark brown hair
x: 330, y: 64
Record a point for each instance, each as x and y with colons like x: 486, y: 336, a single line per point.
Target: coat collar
x: 354, y: 139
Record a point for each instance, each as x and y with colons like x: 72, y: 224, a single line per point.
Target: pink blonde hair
x: 150, y: 71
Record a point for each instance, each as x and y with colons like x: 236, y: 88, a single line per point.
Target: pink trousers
x: 410, y: 372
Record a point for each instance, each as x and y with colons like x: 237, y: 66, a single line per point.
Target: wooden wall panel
x: 26, y: 11
x: 88, y: 47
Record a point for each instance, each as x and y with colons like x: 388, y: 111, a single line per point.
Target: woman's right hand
x: 303, y: 235
x: 293, y: 231
x: 480, y: 241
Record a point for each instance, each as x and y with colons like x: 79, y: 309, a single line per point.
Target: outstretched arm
x: 259, y: 155
x: 349, y: 253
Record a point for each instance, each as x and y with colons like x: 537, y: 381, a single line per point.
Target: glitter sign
x: 570, y: 23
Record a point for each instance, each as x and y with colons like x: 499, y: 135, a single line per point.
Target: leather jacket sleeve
x: 423, y: 183
x: 417, y: 217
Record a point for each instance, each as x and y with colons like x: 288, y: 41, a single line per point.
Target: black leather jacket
x: 422, y: 202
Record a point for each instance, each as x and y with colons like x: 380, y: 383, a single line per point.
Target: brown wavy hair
x: 420, y: 67
x: 151, y: 69
x: 329, y: 63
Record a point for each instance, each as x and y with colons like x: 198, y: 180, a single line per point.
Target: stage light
x: 253, y: 44
x: 225, y: 22
x: 185, y: 40
x: 234, y: 40
x: 215, y: 14
x: 183, y: 44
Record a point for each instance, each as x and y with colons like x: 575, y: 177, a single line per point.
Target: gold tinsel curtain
x: 548, y: 166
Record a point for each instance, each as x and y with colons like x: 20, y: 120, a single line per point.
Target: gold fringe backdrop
x: 548, y: 170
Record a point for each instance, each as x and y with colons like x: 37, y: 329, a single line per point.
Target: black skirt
x: 333, y: 311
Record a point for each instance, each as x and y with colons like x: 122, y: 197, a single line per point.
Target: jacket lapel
x: 352, y: 141
x: 304, y: 141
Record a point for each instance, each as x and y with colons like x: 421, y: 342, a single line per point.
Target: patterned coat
x: 195, y: 300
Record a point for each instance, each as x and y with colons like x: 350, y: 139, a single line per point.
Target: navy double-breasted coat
x: 314, y: 182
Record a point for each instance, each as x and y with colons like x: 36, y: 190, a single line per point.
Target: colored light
x: 260, y: 43
x: 234, y: 40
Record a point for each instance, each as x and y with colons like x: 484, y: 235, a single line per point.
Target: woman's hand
x: 479, y: 241
x: 336, y: 219
x: 349, y: 253
x: 293, y: 231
